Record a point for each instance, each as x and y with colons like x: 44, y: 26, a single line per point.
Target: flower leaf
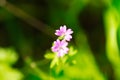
x: 49, y: 56
x: 72, y: 51
x: 54, y: 61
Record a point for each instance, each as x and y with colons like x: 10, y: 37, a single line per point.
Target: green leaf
x: 49, y: 55
x: 72, y: 51
x: 8, y: 73
x: 54, y: 62
x: 8, y: 55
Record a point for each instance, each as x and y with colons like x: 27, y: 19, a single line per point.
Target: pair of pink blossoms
x: 60, y: 46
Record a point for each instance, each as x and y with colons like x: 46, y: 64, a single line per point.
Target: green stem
x: 37, y: 70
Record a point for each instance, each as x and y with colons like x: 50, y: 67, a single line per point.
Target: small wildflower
x: 66, y: 33
x: 60, y: 47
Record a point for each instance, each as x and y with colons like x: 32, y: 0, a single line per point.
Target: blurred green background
x: 27, y: 32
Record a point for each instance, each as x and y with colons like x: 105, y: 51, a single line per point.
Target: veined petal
x: 64, y: 43
x: 60, y: 53
x: 69, y: 31
x: 68, y: 37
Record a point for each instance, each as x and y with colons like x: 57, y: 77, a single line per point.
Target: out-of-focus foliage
x: 29, y: 25
x: 7, y: 58
x: 76, y: 65
x: 112, y: 22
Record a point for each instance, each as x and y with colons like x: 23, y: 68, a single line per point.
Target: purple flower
x: 60, y: 47
x: 66, y: 33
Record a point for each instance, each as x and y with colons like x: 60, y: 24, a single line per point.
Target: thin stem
x: 27, y: 18
x: 37, y: 70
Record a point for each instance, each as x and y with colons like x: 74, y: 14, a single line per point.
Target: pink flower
x: 60, y: 47
x: 66, y: 33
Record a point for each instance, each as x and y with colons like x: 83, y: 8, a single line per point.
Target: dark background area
x: 29, y: 25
